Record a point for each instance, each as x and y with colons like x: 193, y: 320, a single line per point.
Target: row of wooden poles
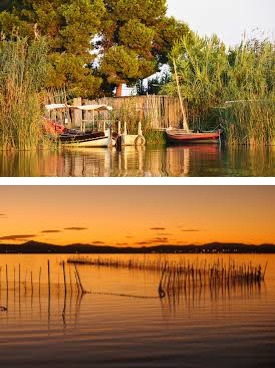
x: 183, y: 273
x: 16, y: 282
x: 214, y: 275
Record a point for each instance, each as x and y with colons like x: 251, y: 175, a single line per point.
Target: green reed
x: 237, y: 82
x: 249, y: 123
x: 22, y: 74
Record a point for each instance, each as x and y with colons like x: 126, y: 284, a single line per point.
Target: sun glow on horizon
x: 137, y: 216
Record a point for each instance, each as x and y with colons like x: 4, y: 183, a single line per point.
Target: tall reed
x: 211, y: 75
x: 23, y: 69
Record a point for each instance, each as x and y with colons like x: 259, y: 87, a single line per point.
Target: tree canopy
x: 128, y: 39
x: 136, y: 39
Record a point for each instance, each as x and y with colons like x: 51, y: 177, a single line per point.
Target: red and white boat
x: 183, y: 136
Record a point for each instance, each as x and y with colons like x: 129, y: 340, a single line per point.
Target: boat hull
x: 182, y: 137
x: 95, y: 140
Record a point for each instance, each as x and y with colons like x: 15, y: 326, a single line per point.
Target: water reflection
x: 202, y: 297
x: 174, y: 161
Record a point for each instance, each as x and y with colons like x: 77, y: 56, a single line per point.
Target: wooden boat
x: 78, y: 138
x: 182, y: 136
x: 88, y: 139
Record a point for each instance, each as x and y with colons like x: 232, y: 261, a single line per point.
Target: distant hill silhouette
x: 33, y: 247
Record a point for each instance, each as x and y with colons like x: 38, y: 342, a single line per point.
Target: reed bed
x: 212, y: 75
x: 249, y: 122
x: 22, y: 73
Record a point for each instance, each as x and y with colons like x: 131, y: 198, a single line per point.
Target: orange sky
x: 137, y: 215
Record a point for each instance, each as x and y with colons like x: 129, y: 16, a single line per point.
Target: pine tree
x: 69, y: 27
x: 136, y: 38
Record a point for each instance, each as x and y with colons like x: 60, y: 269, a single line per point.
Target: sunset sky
x: 137, y: 215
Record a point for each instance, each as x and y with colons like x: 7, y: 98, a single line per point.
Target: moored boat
x: 182, y: 136
x: 79, y: 138
x: 92, y: 139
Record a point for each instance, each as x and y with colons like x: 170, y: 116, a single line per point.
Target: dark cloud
x: 98, y: 242
x: 159, y: 240
x: 3, y: 215
x: 17, y: 237
x: 76, y: 228
x: 190, y: 230
x: 50, y: 231
x: 164, y: 234
x: 157, y: 228
x: 121, y: 244
x: 153, y: 241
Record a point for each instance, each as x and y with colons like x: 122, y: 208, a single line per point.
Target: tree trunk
x: 119, y: 90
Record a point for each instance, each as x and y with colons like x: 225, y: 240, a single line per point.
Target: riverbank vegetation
x: 22, y: 78
x: 234, y: 87
x: 92, y: 47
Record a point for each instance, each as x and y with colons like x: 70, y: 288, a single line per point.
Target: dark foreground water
x: 193, y: 160
x: 200, y: 327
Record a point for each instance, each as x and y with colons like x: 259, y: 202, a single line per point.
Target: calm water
x: 194, y: 160
x: 199, y: 328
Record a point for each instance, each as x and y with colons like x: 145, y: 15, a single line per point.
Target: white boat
x: 78, y: 138
x: 88, y: 140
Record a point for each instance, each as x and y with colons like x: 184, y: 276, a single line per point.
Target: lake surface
x: 208, y: 160
x: 123, y: 323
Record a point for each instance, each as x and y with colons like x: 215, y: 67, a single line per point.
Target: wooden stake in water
x: 31, y: 283
x: 39, y: 279
x: 19, y: 278
x: 7, y: 278
x: 64, y: 276
x: 49, y: 280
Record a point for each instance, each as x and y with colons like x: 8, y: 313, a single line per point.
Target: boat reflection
x: 174, y: 161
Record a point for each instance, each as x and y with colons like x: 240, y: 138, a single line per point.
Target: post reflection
x: 175, y: 161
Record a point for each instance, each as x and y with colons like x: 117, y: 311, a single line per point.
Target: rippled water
x: 175, y: 161
x: 201, y: 327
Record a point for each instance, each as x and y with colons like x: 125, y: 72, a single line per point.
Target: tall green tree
x: 136, y: 38
x: 69, y: 26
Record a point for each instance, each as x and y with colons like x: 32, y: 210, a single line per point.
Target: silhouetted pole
x: 49, y: 280
x: 39, y: 279
x: 19, y: 277
x: 31, y: 282
x: 7, y: 278
x: 64, y: 276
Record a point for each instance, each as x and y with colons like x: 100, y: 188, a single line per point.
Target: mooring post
x: 125, y: 128
x: 119, y: 128
x: 110, y: 138
x: 140, y: 133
